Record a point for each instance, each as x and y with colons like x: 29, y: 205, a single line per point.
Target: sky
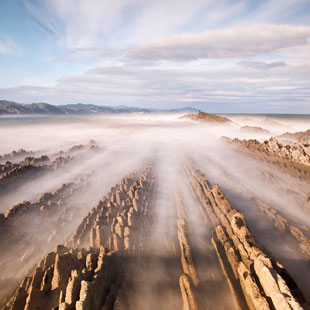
x: 215, y: 55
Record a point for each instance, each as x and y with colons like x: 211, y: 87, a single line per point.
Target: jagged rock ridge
x: 90, y: 271
x: 294, y: 158
x: 254, y: 129
x: 296, y: 136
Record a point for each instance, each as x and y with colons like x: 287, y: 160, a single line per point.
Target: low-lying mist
x: 124, y: 143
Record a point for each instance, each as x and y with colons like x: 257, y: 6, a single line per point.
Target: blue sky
x: 219, y: 56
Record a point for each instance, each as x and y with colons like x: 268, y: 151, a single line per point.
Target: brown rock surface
x: 292, y: 157
x: 262, y: 285
x: 253, y: 129
x: 189, y: 299
x: 72, y: 278
x: 206, y: 117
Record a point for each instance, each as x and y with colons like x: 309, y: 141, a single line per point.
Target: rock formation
x: 295, y: 157
x: 81, y: 277
x: 189, y: 279
x: 28, y: 229
x: 253, y: 129
x: 15, y: 155
x: 285, y: 225
x: 13, y: 175
x: 106, y: 262
x: 208, y: 118
x: 296, y: 136
x: 264, y: 282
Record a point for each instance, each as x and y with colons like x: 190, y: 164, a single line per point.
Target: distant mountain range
x: 13, y: 108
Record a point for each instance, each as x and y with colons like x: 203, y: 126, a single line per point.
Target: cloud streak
x: 215, y: 90
x: 225, y: 43
x: 262, y: 65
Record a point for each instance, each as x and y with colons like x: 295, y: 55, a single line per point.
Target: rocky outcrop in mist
x: 296, y: 136
x: 208, y: 118
x: 293, y: 157
x: 13, y: 175
x: 264, y: 282
x: 78, y: 278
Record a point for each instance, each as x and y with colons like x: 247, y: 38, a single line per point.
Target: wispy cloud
x: 217, y: 90
x: 97, y: 23
x: 227, y: 43
x: 39, y: 13
x: 262, y: 65
x: 233, y: 42
x: 92, y: 54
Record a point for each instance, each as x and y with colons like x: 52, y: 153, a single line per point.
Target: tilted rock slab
x: 250, y: 265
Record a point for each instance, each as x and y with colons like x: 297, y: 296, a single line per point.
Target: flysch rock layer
x: 15, y: 155
x: 294, y: 158
x: 115, y: 222
x: 20, y: 241
x: 265, y: 283
x: 189, y: 279
x: 189, y: 299
x: 285, y: 225
x: 296, y: 136
x: 13, y: 175
x: 283, y: 221
x: 77, y: 278
x: 88, y: 272
x: 63, y: 279
x: 186, y: 251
